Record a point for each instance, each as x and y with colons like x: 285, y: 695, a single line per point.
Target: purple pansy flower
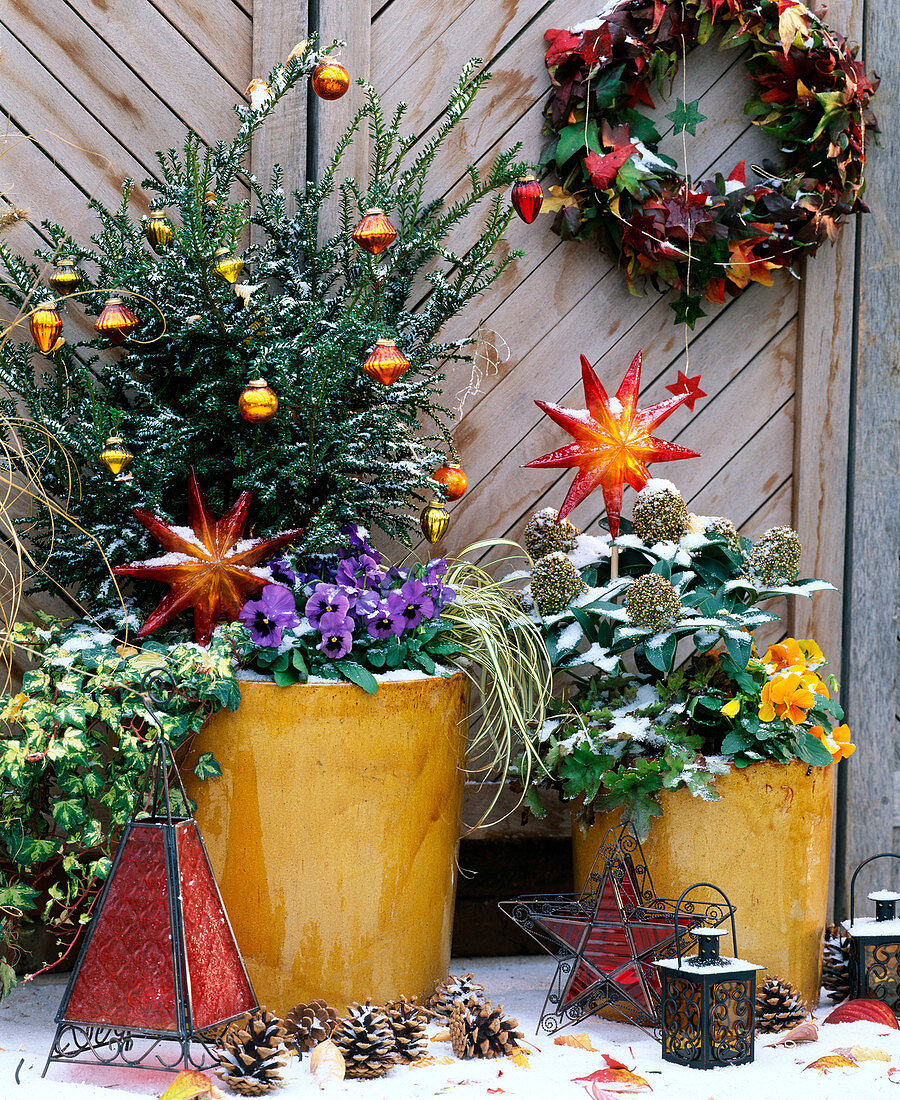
x: 367, y: 601
x: 435, y: 569
x: 413, y: 603
x: 273, y: 612
x: 385, y: 621
x: 337, y: 635
x: 283, y: 571
x: 326, y: 599
x: 358, y: 537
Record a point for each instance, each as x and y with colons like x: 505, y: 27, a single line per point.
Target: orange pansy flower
x: 837, y: 742
x: 786, y: 696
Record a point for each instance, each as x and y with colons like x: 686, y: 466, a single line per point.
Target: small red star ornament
x: 209, y: 565
x: 689, y: 387
x: 613, y: 444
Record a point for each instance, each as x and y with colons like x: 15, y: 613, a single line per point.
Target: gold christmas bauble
x: 66, y: 279
x: 386, y: 363
x: 434, y: 521
x: 374, y: 233
x: 115, y: 456
x: 116, y: 322
x: 258, y: 403
x: 227, y: 266
x: 453, y: 479
x: 330, y: 80
x: 46, y: 325
x: 158, y: 231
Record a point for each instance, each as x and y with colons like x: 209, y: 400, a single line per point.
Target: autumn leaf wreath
x: 708, y: 238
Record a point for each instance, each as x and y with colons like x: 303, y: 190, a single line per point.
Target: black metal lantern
x: 159, y: 972
x: 875, y: 945
x: 707, y: 1002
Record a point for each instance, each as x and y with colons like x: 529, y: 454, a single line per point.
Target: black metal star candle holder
x: 707, y: 1002
x: 607, y: 939
x: 159, y: 972
x: 875, y: 944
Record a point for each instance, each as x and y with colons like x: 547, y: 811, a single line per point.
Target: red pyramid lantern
x: 159, y: 965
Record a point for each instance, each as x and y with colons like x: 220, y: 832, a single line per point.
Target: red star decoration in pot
x: 607, y: 940
x: 613, y: 444
x: 689, y: 388
x: 209, y: 566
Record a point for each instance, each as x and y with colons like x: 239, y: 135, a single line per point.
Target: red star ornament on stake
x: 613, y: 444
x: 209, y: 565
x: 689, y: 387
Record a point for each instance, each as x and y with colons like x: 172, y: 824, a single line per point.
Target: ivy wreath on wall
x: 708, y: 238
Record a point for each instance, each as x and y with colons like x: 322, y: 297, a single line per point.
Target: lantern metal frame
x: 699, y: 999
x: 876, y: 976
x: 140, y: 1047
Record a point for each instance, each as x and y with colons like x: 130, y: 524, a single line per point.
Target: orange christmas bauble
x: 46, y: 325
x: 258, y: 403
x: 453, y: 479
x: 374, y: 233
x: 116, y: 322
x: 386, y: 363
x: 330, y: 80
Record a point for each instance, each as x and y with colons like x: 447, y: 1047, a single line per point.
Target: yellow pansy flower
x: 731, y: 708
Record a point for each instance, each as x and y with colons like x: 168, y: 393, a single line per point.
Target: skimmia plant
x: 638, y: 721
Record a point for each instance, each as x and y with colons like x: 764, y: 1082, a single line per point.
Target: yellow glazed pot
x: 767, y: 844
x: 333, y: 833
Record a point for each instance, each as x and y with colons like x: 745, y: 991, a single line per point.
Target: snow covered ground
x: 26, y: 1030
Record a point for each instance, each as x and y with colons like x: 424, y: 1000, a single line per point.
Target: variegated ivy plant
x: 73, y: 756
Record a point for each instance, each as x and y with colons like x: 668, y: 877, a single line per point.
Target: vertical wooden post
x: 277, y: 28
x: 872, y: 584
x: 348, y: 21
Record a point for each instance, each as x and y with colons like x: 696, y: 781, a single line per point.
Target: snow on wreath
x: 710, y: 238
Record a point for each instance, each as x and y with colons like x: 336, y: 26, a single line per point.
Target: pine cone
x: 479, y: 1031
x: 365, y: 1039
x: 778, y: 1006
x: 307, y: 1025
x: 836, y: 962
x: 452, y: 991
x: 408, y: 1019
x: 249, y: 1053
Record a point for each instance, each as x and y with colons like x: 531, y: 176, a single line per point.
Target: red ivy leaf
x: 603, y: 170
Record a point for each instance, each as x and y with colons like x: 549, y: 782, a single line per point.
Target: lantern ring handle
x: 684, y: 894
x: 881, y: 855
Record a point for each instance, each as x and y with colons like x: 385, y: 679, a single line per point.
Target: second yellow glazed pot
x: 766, y: 843
x: 333, y: 833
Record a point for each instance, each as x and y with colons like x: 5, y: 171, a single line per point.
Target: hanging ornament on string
x: 66, y: 279
x: 613, y: 443
x: 259, y: 92
x: 158, y: 231
x: 115, y: 456
x: 386, y: 363
x: 527, y: 198
x: 434, y: 521
x: 226, y: 265
x: 258, y: 403
x: 116, y: 322
x: 330, y: 80
x: 46, y: 325
x: 453, y: 479
x: 374, y: 233
x: 209, y: 209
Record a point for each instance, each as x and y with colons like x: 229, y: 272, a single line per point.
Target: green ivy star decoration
x: 686, y: 116
x: 708, y: 239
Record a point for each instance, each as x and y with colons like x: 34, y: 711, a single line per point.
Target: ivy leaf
x: 68, y: 813
x: 604, y: 169
x: 632, y: 177
x: 686, y: 116
x: 207, y: 767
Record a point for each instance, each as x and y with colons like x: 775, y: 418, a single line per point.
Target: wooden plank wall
x: 100, y: 86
